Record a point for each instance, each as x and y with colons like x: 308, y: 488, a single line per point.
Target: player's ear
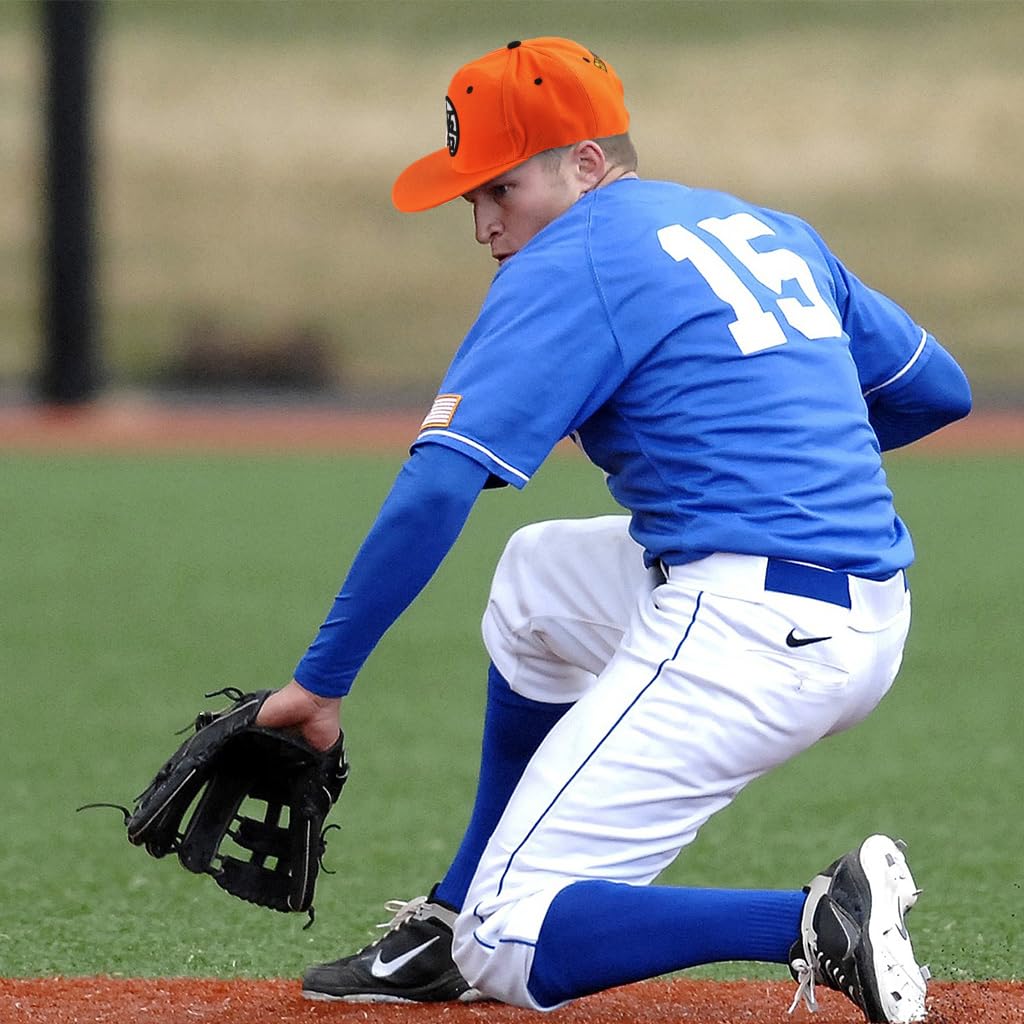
x: 589, y: 164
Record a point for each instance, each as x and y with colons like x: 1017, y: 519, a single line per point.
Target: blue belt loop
x: 784, y: 577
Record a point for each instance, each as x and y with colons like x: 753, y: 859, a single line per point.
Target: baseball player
x: 736, y: 383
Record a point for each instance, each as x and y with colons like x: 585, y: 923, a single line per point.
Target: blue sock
x: 513, y: 729
x: 597, y: 935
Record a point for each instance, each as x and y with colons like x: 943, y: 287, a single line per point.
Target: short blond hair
x: 619, y: 151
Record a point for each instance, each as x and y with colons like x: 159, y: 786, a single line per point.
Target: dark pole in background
x: 70, y: 368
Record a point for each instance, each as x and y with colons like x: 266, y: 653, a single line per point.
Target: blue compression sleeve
x: 906, y: 410
x: 416, y: 527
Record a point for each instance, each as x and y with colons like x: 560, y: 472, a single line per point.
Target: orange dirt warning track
x: 147, y: 426
x: 182, y: 1000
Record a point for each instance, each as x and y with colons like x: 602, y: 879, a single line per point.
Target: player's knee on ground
x: 499, y: 968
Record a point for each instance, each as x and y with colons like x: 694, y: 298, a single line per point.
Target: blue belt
x: 784, y: 577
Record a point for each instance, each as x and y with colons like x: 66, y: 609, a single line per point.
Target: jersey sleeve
x: 912, y: 386
x: 539, y: 360
x: 885, y: 341
x: 918, y: 403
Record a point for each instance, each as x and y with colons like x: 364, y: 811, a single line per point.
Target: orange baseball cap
x: 510, y: 105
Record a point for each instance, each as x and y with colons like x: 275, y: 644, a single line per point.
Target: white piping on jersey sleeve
x: 479, y: 447
x: 896, y: 376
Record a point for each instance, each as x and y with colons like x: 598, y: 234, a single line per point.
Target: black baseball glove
x: 269, y: 860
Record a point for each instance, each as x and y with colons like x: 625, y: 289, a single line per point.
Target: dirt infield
x: 146, y: 426
x: 182, y: 1000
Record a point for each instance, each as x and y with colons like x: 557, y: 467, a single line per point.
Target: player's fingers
x: 314, y: 716
x: 321, y: 734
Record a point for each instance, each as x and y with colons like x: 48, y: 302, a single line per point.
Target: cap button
x: 515, y: 43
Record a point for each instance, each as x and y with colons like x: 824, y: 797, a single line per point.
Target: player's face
x: 510, y: 209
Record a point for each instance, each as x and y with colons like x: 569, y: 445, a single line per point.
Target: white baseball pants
x: 687, y: 689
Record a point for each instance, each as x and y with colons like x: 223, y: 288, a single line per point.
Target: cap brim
x: 431, y: 181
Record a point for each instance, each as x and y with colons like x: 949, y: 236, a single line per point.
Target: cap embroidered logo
x: 451, y: 119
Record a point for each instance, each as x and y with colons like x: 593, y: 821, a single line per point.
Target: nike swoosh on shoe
x: 384, y: 969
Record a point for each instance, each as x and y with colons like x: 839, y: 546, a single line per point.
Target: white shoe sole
x: 901, y: 982
x: 471, y: 995
x: 326, y: 997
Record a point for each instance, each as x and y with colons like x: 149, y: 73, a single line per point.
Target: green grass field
x: 130, y: 586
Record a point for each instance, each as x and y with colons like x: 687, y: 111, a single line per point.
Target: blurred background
x: 227, y: 166
x: 242, y: 155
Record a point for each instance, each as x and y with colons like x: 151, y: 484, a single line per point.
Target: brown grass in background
x: 247, y: 183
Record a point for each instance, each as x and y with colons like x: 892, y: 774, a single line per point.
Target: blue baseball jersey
x: 712, y: 357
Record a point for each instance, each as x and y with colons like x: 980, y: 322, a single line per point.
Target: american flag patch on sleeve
x: 441, y: 412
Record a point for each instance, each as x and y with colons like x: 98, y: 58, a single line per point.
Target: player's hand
x: 316, y: 717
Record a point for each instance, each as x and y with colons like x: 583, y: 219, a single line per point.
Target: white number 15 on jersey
x: 754, y: 328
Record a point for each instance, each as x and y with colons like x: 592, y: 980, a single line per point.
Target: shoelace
x: 826, y: 973
x: 805, y: 985
x: 402, y: 911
